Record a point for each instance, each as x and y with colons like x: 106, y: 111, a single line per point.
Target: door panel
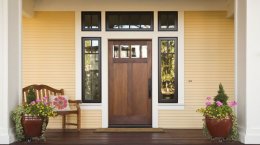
x: 129, y: 101
x: 120, y: 89
x: 139, y: 92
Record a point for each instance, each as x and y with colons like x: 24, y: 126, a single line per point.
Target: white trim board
x: 4, y: 139
x: 10, y: 75
x: 2, y: 58
x: 4, y: 121
x: 7, y: 137
x: 132, y: 5
x: 153, y: 35
x: 249, y: 136
x: 170, y: 106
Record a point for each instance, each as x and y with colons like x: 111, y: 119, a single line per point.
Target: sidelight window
x: 91, y: 70
x: 168, y: 70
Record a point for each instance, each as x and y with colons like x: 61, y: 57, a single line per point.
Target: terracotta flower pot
x: 219, y: 128
x: 32, y: 126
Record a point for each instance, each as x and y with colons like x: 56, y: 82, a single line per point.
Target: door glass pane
x: 171, y: 46
x: 87, y: 46
x: 125, y: 51
x: 116, y: 51
x: 144, y: 51
x: 113, y: 21
x: 135, y: 51
x: 92, y: 77
x: 90, y: 21
x: 134, y: 22
x: 168, y: 21
x: 168, y: 82
x: 95, y: 46
x: 167, y: 75
x: 163, y: 21
x: 129, y: 21
x: 95, y: 22
x: 91, y: 62
x: 164, y: 46
x: 91, y: 71
x: 124, y: 22
x: 171, y: 21
x: 87, y: 21
x: 145, y: 21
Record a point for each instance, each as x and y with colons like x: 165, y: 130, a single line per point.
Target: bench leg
x: 78, y: 121
x: 63, y: 122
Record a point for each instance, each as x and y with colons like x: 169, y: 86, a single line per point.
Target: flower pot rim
x: 226, y: 118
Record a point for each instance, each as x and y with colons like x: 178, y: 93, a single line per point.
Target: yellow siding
x: 49, y: 50
x: 49, y: 58
x: 209, y: 60
x: 89, y: 119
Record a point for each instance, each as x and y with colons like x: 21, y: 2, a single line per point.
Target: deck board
x: 89, y: 137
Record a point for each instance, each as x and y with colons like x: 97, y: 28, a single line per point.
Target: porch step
x: 115, y: 130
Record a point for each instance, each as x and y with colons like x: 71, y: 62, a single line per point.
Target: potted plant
x: 31, y: 118
x: 220, y: 120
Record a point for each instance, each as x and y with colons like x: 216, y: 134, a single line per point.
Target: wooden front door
x: 130, y: 84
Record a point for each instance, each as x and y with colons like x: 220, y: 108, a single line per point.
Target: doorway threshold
x: 128, y: 130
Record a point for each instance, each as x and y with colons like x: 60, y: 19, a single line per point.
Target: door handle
x: 150, y: 88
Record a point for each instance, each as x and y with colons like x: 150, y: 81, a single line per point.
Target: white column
x: 248, y: 69
x: 10, y: 60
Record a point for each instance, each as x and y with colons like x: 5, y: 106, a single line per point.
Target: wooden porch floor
x: 89, y: 137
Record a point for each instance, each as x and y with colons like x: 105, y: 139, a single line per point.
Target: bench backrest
x: 42, y: 91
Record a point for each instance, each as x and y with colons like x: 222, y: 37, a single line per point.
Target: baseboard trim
x: 7, y: 138
x: 249, y: 136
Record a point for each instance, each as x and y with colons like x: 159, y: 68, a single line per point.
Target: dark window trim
x: 108, y: 13
x: 83, y: 66
x: 167, y: 29
x: 83, y: 13
x: 160, y: 98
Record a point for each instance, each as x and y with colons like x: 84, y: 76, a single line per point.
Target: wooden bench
x: 44, y: 90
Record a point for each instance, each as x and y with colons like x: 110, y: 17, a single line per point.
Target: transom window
x: 168, y: 70
x: 91, y: 21
x: 129, y: 21
x: 91, y: 70
x: 168, y: 21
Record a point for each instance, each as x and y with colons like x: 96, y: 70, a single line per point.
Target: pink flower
x: 45, y: 98
x: 32, y: 103
x: 38, y: 100
x: 209, y: 98
x: 46, y: 103
x: 219, y: 103
x: 232, y: 103
x: 208, y: 103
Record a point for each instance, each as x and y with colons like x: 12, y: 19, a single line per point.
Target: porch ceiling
x: 29, y: 6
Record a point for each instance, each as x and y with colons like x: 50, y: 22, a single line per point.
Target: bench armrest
x: 76, y: 102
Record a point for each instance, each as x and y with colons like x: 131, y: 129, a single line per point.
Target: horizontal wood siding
x: 89, y: 119
x: 209, y: 60
x: 49, y: 58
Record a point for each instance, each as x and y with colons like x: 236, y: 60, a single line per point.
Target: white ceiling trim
x: 127, y: 5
